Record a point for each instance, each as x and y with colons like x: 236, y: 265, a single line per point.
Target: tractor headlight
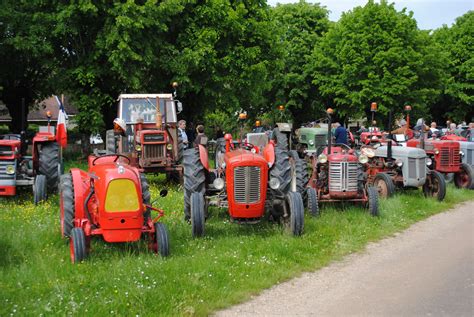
x: 311, y: 142
x: 253, y: 150
x: 436, y: 151
x: 274, y: 183
x: 322, y: 158
x: 218, y: 183
x: 428, y: 161
x: 399, y: 162
x: 368, y: 151
x: 169, y: 146
x: 138, y: 147
x: 121, y: 169
x: 461, y: 153
x: 10, y: 169
x: 363, y: 159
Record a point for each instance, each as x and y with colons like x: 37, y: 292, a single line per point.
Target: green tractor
x: 311, y: 139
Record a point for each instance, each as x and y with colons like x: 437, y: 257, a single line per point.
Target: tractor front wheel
x: 66, y: 204
x: 296, y: 208
x: 465, y: 177
x: 435, y: 185
x: 162, y: 239
x: 384, y: 185
x: 40, y: 189
x: 373, y: 201
x: 197, y: 214
x: 77, y: 245
x: 312, y: 202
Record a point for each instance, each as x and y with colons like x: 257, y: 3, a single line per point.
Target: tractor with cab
x: 338, y: 175
x: 146, y: 132
x: 251, y: 181
x: 111, y: 200
x: 40, y: 170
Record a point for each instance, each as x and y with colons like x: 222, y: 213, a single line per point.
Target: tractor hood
x: 401, y: 152
x: 312, y: 131
x: 107, y: 172
x: 240, y: 157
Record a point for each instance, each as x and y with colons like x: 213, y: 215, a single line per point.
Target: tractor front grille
x: 247, y: 182
x: 449, y: 157
x: 343, y: 176
x: 5, y: 150
x: 151, y: 151
x: 320, y: 139
x: 469, y: 156
x: 3, y: 168
x: 415, y: 166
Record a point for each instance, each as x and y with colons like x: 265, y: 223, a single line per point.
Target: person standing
x: 201, y: 138
x: 340, y: 134
x: 182, y: 131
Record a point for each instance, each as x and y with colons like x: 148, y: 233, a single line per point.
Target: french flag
x: 61, y: 131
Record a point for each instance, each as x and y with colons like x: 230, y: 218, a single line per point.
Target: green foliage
x: 229, y: 265
x: 301, y: 25
x: 375, y: 53
x: 457, y: 42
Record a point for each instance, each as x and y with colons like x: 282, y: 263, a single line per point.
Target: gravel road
x: 427, y: 270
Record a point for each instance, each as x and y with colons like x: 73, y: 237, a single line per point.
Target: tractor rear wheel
x: 296, y: 208
x: 66, y: 202
x: 281, y: 170
x: 162, y: 239
x: 435, y: 185
x: 465, y: 177
x: 280, y: 138
x: 40, y: 192
x: 110, y: 142
x: 197, y: 214
x: 194, y: 179
x: 384, y: 185
x: 146, y: 197
x: 312, y: 201
x: 301, y: 170
x: 49, y: 164
x: 77, y: 245
x: 373, y: 203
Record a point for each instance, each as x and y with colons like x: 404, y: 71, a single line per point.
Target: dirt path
x: 427, y: 270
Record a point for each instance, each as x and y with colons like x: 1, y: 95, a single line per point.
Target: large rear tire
x: 66, y: 196
x: 110, y: 142
x: 435, y: 185
x: 312, y: 202
x: 194, y: 179
x: 384, y: 185
x: 40, y: 192
x: 280, y: 138
x: 465, y: 177
x: 296, y: 208
x: 49, y: 164
x: 281, y: 170
x: 301, y: 170
x: 197, y: 214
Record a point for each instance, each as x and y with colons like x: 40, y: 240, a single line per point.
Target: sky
x: 429, y: 14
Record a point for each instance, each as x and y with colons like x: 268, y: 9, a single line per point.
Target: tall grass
x: 227, y: 266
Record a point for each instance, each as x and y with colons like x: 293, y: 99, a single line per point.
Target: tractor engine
x: 445, y: 154
x: 246, y: 179
x: 343, y: 176
x: 152, y: 146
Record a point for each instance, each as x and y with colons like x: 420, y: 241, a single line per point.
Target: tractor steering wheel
x: 343, y: 145
x: 117, y: 156
x: 247, y: 146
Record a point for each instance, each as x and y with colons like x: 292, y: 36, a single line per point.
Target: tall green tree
x: 300, y: 26
x: 457, y: 101
x: 375, y: 53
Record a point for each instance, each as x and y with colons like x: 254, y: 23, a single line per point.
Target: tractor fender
x: 80, y: 183
x: 269, y: 154
x: 203, y: 156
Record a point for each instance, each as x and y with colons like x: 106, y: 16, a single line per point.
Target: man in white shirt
x: 182, y: 130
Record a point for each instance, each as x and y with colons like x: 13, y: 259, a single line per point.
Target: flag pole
x: 61, y: 164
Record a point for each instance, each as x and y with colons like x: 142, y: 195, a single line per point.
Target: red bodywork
x: 125, y: 226
x: 367, y: 137
x: 445, y: 154
x: 453, y: 137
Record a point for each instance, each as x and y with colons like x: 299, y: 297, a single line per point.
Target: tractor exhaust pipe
x: 422, y: 134
x: 329, y: 112
x: 389, y: 145
x: 23, y: 144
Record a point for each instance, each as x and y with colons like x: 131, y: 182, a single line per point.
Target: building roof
x: 38, y: 113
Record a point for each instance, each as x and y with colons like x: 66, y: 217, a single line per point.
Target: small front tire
x: 40, y: 189
x: 77, y: 245
x: 373, y: 203
x: 197, y: 214
x: 384, y: 185
x: 312, y: 202
x: 435, y: 185
x: 162, y: 239
x: 465, y: 177
x: 296, y: 208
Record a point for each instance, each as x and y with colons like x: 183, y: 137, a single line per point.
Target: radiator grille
x: 415, y: 166
x: 247, y: 184
x: 470, y: 157
x: 3, y: 167
x: 343, y: 176
x: 449, y: 157
x: 151, y: 151
x: 320, y: 140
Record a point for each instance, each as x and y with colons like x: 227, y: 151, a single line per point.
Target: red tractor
x: 112, y: 200
x: 250, y: 180
x: 446, y: 158
x: 338, y: 175
x: 146, y: 132
x: 40, y: 171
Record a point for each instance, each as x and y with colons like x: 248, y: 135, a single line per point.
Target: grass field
x: 227, y: 266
